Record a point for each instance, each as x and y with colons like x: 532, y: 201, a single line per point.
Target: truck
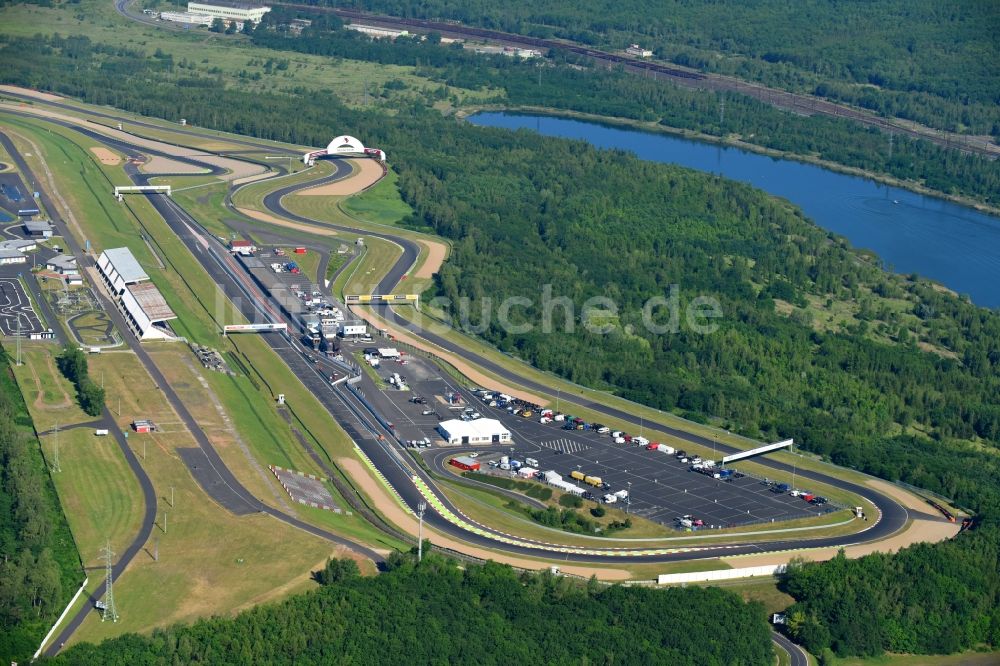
x: 653, y: 446
x: 640, y: 441
x: 559, y: 417
x: 578, y: 475
x: 593, y: 481
x: 619, y: 440
x: 780, y: 488
x: 609, y: 499
x: 725, y: 474
x: 622, y: 494
x: 531, y: 462
x: 101, y: 432
x: 544, y: 419
x: 663, y: 448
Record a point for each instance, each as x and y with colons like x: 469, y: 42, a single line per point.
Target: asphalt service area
x: 660, y: 487
x: 16, y: 311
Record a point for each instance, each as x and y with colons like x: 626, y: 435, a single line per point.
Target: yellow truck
x: 593, y: 480
x: 579, y: 476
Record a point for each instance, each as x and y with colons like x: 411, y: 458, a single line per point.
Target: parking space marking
x: 565, y: 445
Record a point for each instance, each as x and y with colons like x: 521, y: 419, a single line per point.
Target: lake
x: 912, y: 233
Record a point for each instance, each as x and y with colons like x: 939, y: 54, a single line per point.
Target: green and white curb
x: 381, y: 477
x: 435, y: 503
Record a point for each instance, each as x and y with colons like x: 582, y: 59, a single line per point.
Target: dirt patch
x: 408, y: 523
x: 461, y: 365
x: 32, y: 93
x: 271, y: 219
x: 437, y: 252
x: 366, y: 173
x: 105, y: 156
x: 907, y: 499
x: 163, y: 165
x: 919, y: 531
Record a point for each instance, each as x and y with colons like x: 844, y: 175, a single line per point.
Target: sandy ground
x: 105, y: 156
x: 271, y: 219
x: 462, y: 366
x: 918, y: 531
x: 366, y: 173
x: 437, y: 252
x: 238, y: 169
x: 164, y: 165
x: 32, y: 93
x: 408, y: 523
x: 907, y: 499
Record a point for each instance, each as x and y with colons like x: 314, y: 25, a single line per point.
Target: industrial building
x: 187, y: 18
x: 230, y: 11
x: 376, y: 33
x: 39, y: 228
x: 8, y: 257
x: 466, y: 463
x: 140, y: 302
x: 21, y: 245
x: 636, y: 50
x: 63, y: 264
x: 480, y: 431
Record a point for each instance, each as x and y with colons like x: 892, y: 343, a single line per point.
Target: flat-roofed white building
x: 8, y: 257
x: 480, y: 431
x: 230, y: 11
x: 352, y: 327
x: 140, y: 302
x: 636, y: 50
x: 187, y: 18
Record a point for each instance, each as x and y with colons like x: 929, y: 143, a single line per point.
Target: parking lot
x: 15, y: 308
x: 660, y: 487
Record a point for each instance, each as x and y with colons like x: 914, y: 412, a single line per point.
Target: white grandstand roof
x: 477, y: 429
x: 125, y: 263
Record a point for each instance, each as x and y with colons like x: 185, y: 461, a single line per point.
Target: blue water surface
x: 912, y: 233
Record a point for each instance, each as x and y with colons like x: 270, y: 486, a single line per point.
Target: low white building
x: 389, y: 352
x: 39, y: 228
x: 636, y: 50
x: 64, y: 264
x: 229, y: 10
x: 187, y: 18
x: 377, y: 33
x: 25, y: 245
x: 480, y: 431
x: 8, y: 257
x: 352, y: 327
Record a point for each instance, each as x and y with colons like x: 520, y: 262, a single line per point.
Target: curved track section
x: 412, y: 483
x: 892, y: 517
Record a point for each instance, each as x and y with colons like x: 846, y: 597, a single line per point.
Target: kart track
x: 377, y: 441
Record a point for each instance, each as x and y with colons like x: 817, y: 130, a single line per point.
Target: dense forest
x: 39, y: 564
x: 574, y: 85
x: 926, y: 599
x: 436, y: 613
x: 904, y: 387
x: 923, y: 60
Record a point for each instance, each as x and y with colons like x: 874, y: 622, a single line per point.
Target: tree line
x: 72, y: 363
x: 575, y: 84
x: 915, y: 59
x: 438, y: 613
x: 39, y: 563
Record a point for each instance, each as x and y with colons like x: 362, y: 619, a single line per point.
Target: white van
x: 101, y: 432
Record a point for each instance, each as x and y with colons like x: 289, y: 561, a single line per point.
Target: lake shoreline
x: 730, y: 142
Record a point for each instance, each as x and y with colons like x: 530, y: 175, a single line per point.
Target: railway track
x: 798, y: 103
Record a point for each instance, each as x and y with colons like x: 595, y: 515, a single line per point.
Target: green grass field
x: 205, y: 53
x: 99, y: 494
x: 381, y: 204
x: 50, y: 397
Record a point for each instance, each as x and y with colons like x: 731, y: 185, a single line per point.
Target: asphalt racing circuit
x: 370, y: 430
